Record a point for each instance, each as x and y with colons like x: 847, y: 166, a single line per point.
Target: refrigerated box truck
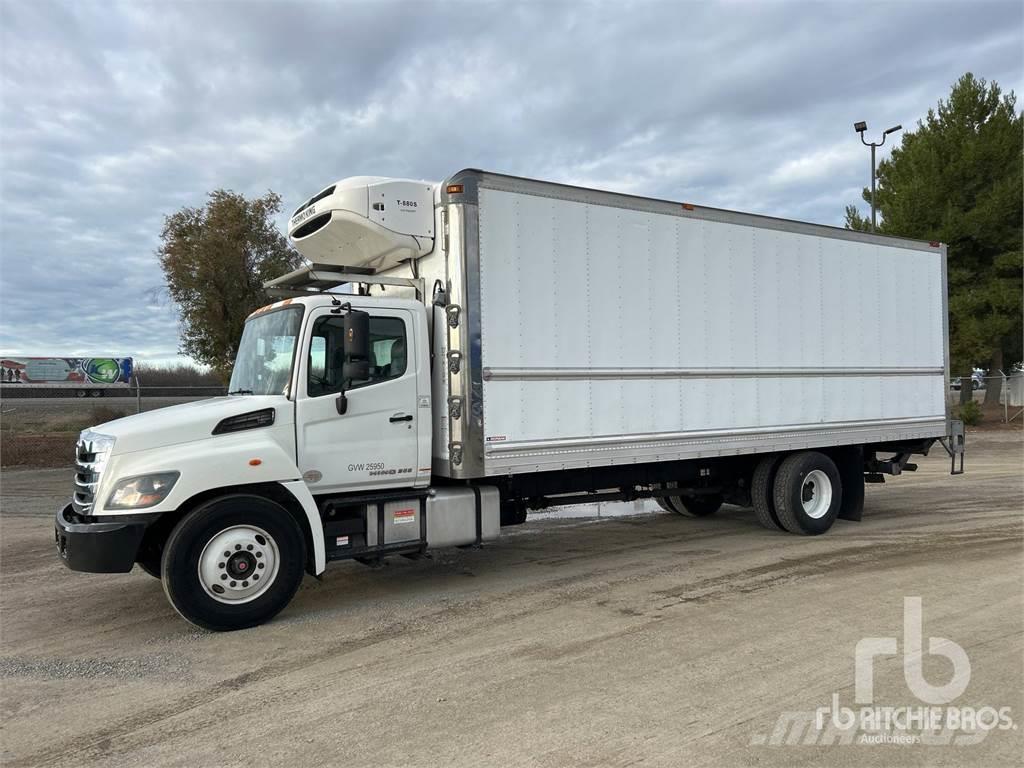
x: 82, y: 376
x: 457, y: 353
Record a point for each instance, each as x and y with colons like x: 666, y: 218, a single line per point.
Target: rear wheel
x: 233, y: 562
x: 693, y: 506
x: 762, y: 492
x: 660, y: 500
x: 807, y: 493
x: 700, y: 506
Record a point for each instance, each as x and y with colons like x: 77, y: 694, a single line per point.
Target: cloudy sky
x: 114, y: 115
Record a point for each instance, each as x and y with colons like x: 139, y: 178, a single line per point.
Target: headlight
x: 142, y: 491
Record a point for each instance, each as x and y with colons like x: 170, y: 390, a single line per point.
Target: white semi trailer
x: 81, y: 376
x: 458, y: 353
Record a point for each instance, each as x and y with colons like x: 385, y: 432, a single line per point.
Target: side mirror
x: 355, y: 370
x: 357, y: 336
x: 356, y: 345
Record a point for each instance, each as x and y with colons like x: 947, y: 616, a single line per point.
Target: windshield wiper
x: 240, y: 392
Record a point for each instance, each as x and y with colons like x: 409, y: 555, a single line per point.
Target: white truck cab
x: 575, y: 346
x: 301, y: 421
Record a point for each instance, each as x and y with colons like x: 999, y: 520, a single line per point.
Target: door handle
x: 400, y: 417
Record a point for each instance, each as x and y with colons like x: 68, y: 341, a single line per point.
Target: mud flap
x: 850, y: 462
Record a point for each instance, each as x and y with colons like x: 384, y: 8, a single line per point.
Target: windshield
x: 263, y: 365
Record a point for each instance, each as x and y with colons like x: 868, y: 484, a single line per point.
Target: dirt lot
x: 648, y: 639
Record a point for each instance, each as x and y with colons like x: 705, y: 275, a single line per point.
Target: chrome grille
x: 90, y: 456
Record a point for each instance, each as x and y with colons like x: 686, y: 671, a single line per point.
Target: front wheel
x: 149, y: 562
x: 233, y: 562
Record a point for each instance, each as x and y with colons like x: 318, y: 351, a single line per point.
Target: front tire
x: 233, y: 562
x: 807, y: 493
x: 149, y: 562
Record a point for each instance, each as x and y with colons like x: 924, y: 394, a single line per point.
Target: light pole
x: 860, y: 127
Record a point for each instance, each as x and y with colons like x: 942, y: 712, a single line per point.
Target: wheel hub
x: 238, y: 564
x: 241, y: 564
x: 816, y: 494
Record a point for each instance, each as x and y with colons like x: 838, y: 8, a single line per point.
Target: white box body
x: 599, y: 329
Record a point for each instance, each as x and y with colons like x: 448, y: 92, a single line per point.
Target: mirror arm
x: 341, y: 403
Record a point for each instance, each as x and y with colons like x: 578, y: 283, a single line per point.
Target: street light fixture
x: 860, y: 127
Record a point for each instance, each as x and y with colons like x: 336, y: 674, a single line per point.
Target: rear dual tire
x: 806, y: 493
x: 762, y: 492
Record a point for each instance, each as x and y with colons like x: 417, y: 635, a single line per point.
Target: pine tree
x: 958, y: 179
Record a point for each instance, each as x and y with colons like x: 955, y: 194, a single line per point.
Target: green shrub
x: 970, y: 413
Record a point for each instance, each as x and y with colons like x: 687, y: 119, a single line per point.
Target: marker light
x: 453, y: 189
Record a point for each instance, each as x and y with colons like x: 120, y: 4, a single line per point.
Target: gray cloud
x: 114, y: 116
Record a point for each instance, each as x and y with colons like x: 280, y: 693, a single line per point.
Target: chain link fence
x: 41, y: 431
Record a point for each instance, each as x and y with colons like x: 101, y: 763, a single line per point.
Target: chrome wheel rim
x: 816, y: 494
x: 239, y: 564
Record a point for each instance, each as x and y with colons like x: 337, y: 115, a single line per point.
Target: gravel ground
x: 638, y: 639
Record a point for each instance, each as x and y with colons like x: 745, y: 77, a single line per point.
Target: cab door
x: 374, y: 444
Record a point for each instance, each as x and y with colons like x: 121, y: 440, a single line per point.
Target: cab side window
x: 388, y: 354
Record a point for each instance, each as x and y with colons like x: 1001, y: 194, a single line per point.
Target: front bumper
x: 96, y: 547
